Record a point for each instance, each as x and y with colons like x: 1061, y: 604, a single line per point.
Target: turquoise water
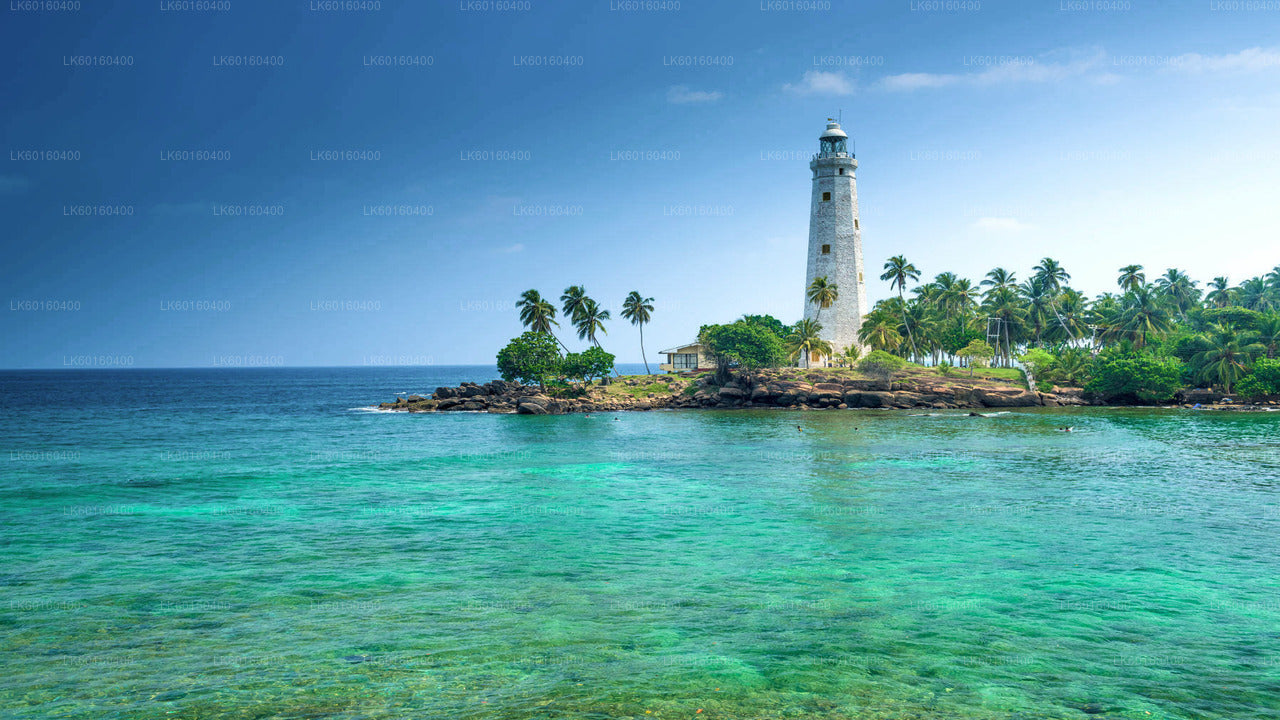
x: 176, y: 546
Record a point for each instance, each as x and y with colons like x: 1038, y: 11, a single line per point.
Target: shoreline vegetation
x: 1035, y: 343
x: 915, y: 388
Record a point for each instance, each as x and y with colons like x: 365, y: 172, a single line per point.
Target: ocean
x: 258, y: 543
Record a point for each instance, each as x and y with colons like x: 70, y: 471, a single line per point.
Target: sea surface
x: 256, y: 543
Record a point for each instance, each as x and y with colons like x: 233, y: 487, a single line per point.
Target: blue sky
x: 302, y: 185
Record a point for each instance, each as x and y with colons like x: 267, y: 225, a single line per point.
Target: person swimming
x: 1065, y: 429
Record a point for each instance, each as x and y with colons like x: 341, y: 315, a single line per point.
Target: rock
x: 448, y: 404
x: 416, y: 398
x: 730, y: 392
x: 870, y: 399
x: 532, y: 405
x: 444, y: 393
x: 472, y: 405
x: 1006, y: 398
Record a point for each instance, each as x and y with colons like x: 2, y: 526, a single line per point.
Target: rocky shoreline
x: 795, y: 390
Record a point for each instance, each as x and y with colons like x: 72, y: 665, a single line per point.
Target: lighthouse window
x: 841, y: 171
x: 826, y: 197
x: 855, y: 224
x: 826, y: 249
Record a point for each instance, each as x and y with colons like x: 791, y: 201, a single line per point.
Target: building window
x: 855, y: 224
x: 685, y: 361
x: 826, y: 197
x: 841, y: 171
x: 826, y: 249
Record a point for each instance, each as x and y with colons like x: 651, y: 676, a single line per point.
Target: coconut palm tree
x: 1268, y: 327
x: 1003, y: 304
x: 1051, y: 274
x: 1144, y: 314
x: 1179, y: 289
x: 1220, y: 293
x: 1255, y: 294
x: 999, y: 279
x: 805, y: 339
x: 1131, y: 277
x: 538, y: 314
x: 879, y: 333
x: 1038, y: 304
x: 823, y: 293
x: 572, y: 301
x: 897, y: 270
x: 638, y: 310
x: 1228, y: 357
x: 590, y: 320
x: 1273, y: 278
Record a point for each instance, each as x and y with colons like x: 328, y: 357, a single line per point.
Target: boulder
x: 869, y: 399
x: 827, y: 391
x: 444, y: 393
x: 1006, y: 398
x: 448, y: 404
x: 532, y: 405
x: 732, y: 393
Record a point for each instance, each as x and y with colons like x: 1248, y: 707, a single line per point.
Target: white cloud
x: 1001, y: 71
x: 682, y: 95
x: 1250, y: 60
x: 999, y: 224
x: 818, y: 82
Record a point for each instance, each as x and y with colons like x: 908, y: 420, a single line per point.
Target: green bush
x: 743, y: 345
x: 591, y: 363
x: 1135, y: 378
x: 881, y: 365
x: 1044, y: 386
x: 531, y: 358
x: 1263, y: 381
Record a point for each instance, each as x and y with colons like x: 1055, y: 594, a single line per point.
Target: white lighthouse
x: 835, y: 241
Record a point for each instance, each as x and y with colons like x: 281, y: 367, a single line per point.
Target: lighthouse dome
x: 833, y: 131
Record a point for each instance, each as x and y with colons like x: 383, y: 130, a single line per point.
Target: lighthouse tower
x: 835, y: 241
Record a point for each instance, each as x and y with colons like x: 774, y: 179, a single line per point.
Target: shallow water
x: 241, y: 543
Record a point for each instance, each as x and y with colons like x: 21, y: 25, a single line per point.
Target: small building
x: 687, y: 358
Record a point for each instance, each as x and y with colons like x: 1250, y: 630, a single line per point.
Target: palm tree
x: 805, y: 339
x: 1268, y: 327
x: 1144, y: 315
x: 999, y: 279
x: 1038, y: 300
x: 1273, y: 278
x: 1131, y: 277
x: 1179, y: 289
x: 1228, y: 356
x: 897, y: 270
x: 1051, y: 274
x: 538, y: 314
x: 879, y: 333
x: 1255, y: 294
x: 1220, y: 294
x: 573, y: 300
x: 1071, y: 311
x: 638, y: 310
x: 590, y: 320
x: 823, y: 293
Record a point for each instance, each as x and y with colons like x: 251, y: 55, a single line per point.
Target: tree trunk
x: 642, y: 356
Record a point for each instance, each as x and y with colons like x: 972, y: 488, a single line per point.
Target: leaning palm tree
x: 590, y: 320
x: 1051, y: 274
x: 1131, y: 277
x: 538, y: 314
x: 1228, y: 356
x: 823, y: 293
x: 805, y: 339
x: 638, y: 310
x: 572, y: 301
